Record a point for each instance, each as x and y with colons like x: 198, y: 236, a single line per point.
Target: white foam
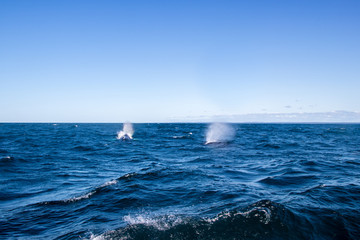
x: 99, y: 237
x: 219, y: 133
x: 85, y: 196
x: 266, y: 212
x: 129, y: 175
x: 88, y: 195
x: 257, y: 210
x: 107, y: 235
x: 112, y: 182
x: 179, y: 137
x: 161, y: 223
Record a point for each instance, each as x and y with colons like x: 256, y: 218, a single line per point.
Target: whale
x: 125, y: 137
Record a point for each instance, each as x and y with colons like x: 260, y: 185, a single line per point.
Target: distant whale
x: 124, y: 137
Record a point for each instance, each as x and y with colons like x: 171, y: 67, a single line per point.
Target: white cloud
x: 321, y: 117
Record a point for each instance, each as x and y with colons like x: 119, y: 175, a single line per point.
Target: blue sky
x: 160, y: 61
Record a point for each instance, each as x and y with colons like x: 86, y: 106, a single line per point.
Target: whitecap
x: 161, y: 223
x: 112, y: 182
x: 85, y: 196
x: 98, y: 237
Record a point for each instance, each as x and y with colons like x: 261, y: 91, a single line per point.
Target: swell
x: 98, y: 190
x: 127, y: 184
x: 282, y: 181
x: 262, y: 220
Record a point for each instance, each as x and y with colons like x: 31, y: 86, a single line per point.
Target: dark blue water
x: 273, y: 181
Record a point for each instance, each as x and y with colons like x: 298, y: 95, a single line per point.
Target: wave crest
x: 81, y: 197
x: 261, y: 220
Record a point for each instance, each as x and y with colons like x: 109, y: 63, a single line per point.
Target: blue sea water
x: 271, y: 181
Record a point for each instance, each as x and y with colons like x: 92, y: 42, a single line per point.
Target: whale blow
x: 219, y: 133
x: 127, y: 132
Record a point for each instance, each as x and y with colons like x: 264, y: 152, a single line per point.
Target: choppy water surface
x: 269, y: 181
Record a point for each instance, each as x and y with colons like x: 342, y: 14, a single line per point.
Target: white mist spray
x: 127, y: 131
x: 219, y: 133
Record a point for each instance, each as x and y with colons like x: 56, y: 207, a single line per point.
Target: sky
x: 165, y: 61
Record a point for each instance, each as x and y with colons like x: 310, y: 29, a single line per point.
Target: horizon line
x: 179, y: 122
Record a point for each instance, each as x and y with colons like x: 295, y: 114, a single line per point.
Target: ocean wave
x: 8, y: 162
x: 147, y: 176
x: 181, y: 137
x: 262, y: 220
x: 161, y: 223
x: 283, y: 180
x: 7, y: 158
x: 81, y: 197
x: 3, y: 151
x: 151, y: 174
x: 268, y: 145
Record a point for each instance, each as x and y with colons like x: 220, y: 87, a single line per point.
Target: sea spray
x: 219, y: 133
x: 127, y: 131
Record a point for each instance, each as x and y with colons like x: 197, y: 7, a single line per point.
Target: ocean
x: 179, y: 181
